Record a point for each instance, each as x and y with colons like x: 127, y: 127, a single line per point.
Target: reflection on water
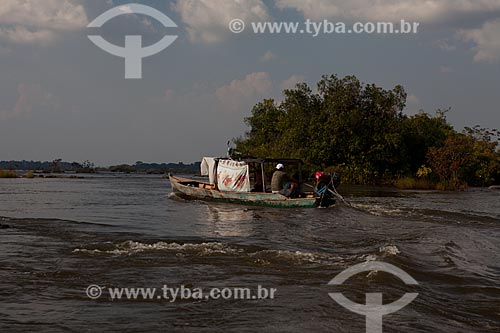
x: 229, y: 220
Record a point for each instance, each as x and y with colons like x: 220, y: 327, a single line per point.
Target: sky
x: 61, y: 96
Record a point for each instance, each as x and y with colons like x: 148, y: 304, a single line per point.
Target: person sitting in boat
x: 282, y: 183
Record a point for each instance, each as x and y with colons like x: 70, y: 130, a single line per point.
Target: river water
x: 58, y: 236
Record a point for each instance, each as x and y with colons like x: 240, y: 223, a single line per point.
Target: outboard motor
x: 326, y: 186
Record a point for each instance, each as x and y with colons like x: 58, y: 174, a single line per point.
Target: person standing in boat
x: 282, y: 183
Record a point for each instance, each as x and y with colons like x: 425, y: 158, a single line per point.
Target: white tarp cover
x: 208, y: 169
x: 233, y: 176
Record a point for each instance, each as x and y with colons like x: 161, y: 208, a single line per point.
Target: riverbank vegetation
x: 37, y: 168
x: 360, y: 130
x: 7, y: 174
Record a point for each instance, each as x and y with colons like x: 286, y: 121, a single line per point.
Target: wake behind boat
x: 248, y: 182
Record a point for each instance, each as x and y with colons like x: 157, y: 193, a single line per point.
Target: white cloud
x: 413, y: 105
x: 49, y: 14
x: 412, y: 100
x: 268, y: 56
x: 235, y: 98
x: 445, y: 45
x: 312, y: 9
x: 291, y: 81
x: 207, y: 20
x: 486, y: 40
x: 30, y: 21
x: 389, y: 10
x: 30, y: 96
x: 243, y: 93
x: 21, y: 35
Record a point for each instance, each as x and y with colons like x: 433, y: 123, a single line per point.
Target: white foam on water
x: 389, y: 250
x: 368, y: 257
x: 378, y: 210
x: 297, y: 257
x: 132, y: 247
x: 263, y: 257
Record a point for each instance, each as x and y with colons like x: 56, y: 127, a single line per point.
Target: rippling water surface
x: 57, y: 236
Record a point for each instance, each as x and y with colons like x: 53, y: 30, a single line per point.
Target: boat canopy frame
x: 262, y: 162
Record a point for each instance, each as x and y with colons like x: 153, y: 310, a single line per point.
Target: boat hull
x: 189, y: 189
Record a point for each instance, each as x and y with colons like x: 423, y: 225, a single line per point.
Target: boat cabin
x: 246, y: 175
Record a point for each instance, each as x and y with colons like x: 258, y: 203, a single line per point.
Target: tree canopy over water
x: 360, y: 130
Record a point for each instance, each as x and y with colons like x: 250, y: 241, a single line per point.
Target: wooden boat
x: 494, y: 187
x: 193, y: 189
x: 232, y: 181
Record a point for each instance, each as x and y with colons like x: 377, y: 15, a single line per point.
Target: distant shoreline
x: 77, y: 175
x: 58, y: 166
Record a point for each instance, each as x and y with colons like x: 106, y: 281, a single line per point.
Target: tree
x: 449, y: 161
x: 483, y: 167
x: 420, y: 132
x: 360, y: 130
x: 264, y: 130
x: 345, y: 123
x: 56, y: 165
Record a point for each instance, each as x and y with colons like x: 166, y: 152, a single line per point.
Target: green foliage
x: 86, y: 167
x: 361, y: 131
x: 122, y: 168
x: 448, y: 161
x: 410, y: 183
x: 7, y: 174
x: 420, y: 132
x: 483, y: 166
x: 470, y: 158
x: 450, y: 185
x: 424, y: 172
